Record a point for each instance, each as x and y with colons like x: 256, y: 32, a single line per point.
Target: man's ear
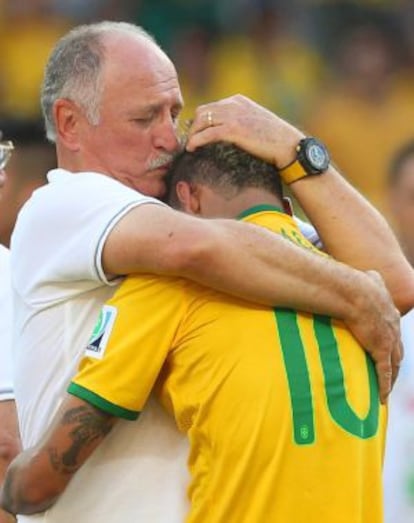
x: 188, y: 195
x: 67, y: 118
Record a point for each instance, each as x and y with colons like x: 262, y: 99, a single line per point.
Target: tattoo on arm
x: 88, y: 425
x: 78, y: 432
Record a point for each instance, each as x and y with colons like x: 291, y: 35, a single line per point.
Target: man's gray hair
x: 74, y: 67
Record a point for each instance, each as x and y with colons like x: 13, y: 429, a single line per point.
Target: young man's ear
x: 188, y: 195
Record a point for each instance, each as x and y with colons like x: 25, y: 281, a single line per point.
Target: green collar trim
x: 259, y: 208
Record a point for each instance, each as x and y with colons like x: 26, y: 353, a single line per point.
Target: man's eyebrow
x: 158, y: 106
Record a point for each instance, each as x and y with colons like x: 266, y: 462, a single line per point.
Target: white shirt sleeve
x: 61, y: 231
x: 6, y: 381
x: 309, y: 232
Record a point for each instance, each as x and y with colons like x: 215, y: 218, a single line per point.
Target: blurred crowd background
x: 341, y: 70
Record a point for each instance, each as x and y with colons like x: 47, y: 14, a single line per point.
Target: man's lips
x: 163, y: 168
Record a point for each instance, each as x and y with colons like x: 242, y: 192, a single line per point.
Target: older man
x: 111, y: 100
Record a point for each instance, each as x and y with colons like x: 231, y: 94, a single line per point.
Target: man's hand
x: 375, y: 323
x: 241, y: 121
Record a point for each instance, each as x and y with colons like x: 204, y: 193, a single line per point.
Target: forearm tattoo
x: 83, y: 428
x: 89, y: 425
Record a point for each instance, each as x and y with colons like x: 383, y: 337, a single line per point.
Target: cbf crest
x: 101, y: 333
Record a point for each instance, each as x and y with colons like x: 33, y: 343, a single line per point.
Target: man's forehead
x: 126, y: 49
x: 140, y: 62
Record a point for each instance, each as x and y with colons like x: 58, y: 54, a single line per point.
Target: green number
x: 300, y: 385
x: 298, y: 376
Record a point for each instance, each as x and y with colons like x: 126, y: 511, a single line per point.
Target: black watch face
x: 318, y: 156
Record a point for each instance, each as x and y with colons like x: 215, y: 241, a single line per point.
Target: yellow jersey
x: 281, y: 408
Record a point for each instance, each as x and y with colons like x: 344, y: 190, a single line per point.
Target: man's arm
x: 255, y: 264
x: 39, y: 475
x: 355, y: 233
x: 9, y: 441
x: 230, y: 256
x: 351, y: 229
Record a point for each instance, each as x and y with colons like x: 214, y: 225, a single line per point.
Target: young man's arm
x: 40, y: 474
x: 114, y: 385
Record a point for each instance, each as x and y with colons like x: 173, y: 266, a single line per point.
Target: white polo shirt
x: 139, y: 472
x: 6, y: 378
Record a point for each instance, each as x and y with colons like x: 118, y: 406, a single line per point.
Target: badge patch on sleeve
x: 101, y: 333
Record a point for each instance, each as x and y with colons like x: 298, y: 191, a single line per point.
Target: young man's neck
x: 248, y: 198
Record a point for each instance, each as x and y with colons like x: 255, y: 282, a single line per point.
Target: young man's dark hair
x: 225, y: 168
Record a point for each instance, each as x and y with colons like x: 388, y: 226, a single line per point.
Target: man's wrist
x: 312, y: 158
x: 286, y: 151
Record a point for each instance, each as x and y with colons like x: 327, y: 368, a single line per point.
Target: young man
x: 281, y: 408
x: 111, y: 99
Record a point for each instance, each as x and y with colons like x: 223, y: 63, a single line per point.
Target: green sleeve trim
x: 101, y: 403
x: 259, y: 208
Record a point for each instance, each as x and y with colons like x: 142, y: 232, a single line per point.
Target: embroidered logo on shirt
x: 100, y: 335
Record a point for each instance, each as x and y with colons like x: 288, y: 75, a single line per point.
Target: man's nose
x: 167, y: 137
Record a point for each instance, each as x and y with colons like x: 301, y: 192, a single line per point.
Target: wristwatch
x: 312, y: 158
